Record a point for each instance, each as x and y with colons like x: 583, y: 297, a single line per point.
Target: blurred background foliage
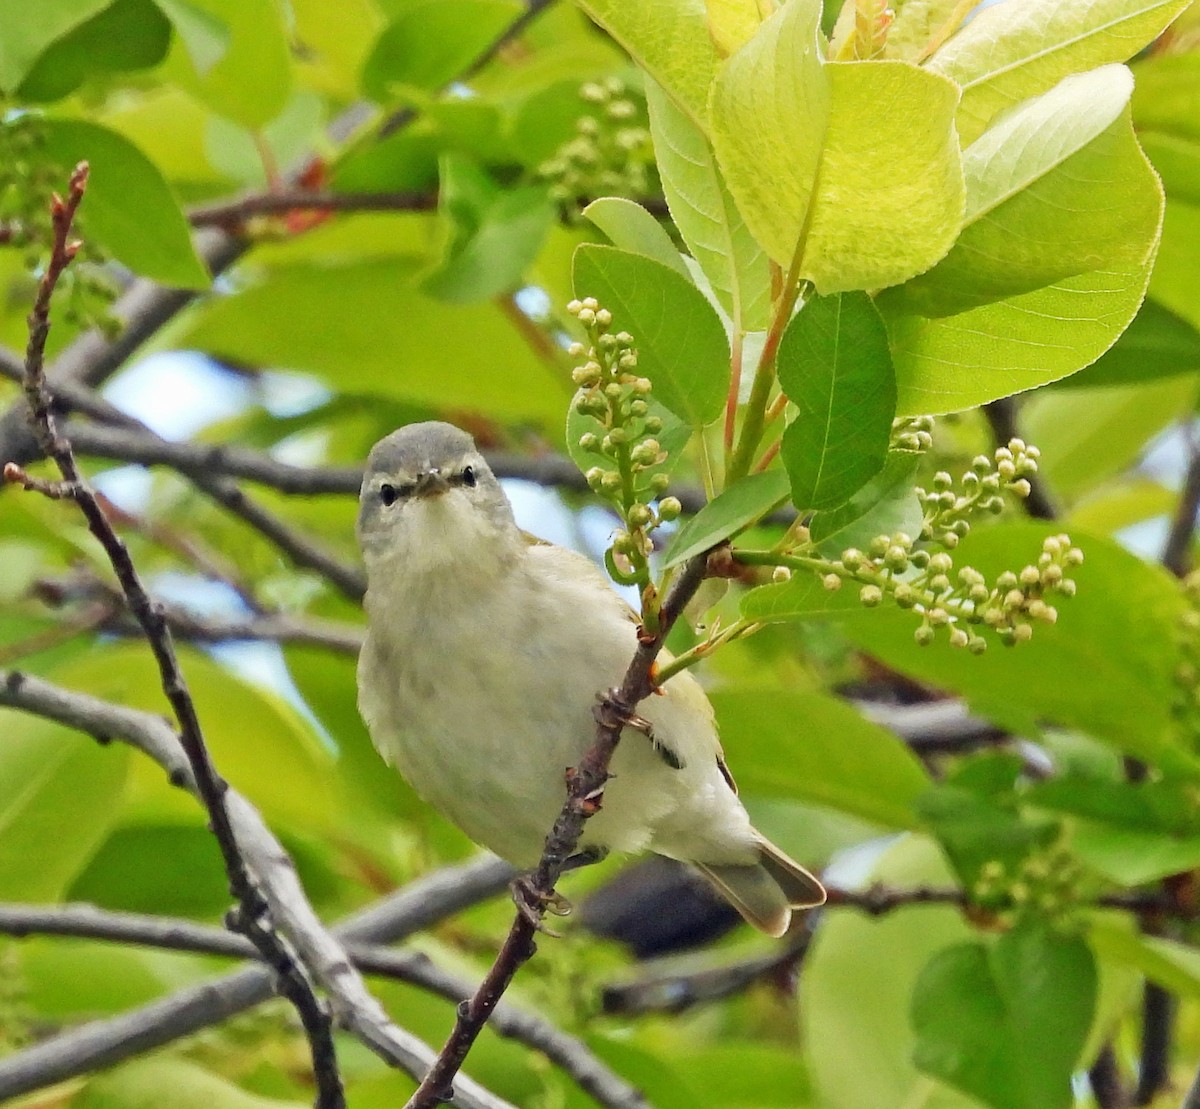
x: 408, y: 182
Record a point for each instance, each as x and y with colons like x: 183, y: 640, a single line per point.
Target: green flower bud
x: 904, y: 595
x: 1007, y: 580
x: 781, y: 574
x: 603, y: 318
x: 832, y: 582
x: 574, y: 307
x: 939, y: 583
x: 1022, y: 633
x: 638, y: 408
x: 959, y: 637
x: 594, y: 477
x: 942, y: 481
x: 852, y: 558
x: 1073, y: 557
x: 618, y: 436
x: 941, y: 563
x: 659, y: 482
x: 654, y: 424
x: 1029, y: 575
x: 576, y: 350
x: 1066, y: 587
x: 924, y: 635
x: 586, y: 316
x: 613, y: 391
x: 1021, y: 488
x: 590, y: 303
x: 1014, y: 598
x: 896, y: 558
x: 639, y: 515
x: 939, y: 617
x: 870, y: 595
x: 981, y: 464
x: 642, y: 386
x: 976, y: 644
x: 589, y: 442
x: 669, y: 508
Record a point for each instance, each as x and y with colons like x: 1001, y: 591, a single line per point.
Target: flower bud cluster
x: 913, y: 434
x: 1187, y: 673
x: 958, y: 599
x: 29, y: 177
x: 617, y: 398
x: 948, y: 510
x: 610, y: 153
x: 1047, y: 883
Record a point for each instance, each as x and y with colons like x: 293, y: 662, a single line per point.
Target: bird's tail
x: 766, y: 892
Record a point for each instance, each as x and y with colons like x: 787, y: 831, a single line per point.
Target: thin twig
x: 585, y: 789
x: 1158, y: 1019
x: 567, y: 1052
x: 252, y: 916
x: 1104, y: 1076
x: 233, y: 213
x: 102, y: 1045
x: 1177, y: 551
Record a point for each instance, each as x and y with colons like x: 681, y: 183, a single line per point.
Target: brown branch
x: 252, y: 916
x: 585, y: 789
x: 1001, y: 416
x: 1104, y: 1076
x: 413, y: 967
x: 1158, y: 1020
x: 231, y: 214
x: 1177, y: 551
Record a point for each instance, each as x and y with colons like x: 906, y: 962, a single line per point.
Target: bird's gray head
x: 429, y: 499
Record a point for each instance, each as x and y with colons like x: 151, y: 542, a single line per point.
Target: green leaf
x: 1165, y: 119
x: 815, y: 748
x: 1010, y: 52
x: 834, y: 366
x: 1158, y: 343
x: 965, y: 360
x: 858, y: 980
x: 432, y: 42
x: 1087, y: 435
x: 252, y: 81
x: 1130, y: 857
x: 418, y: 349
x: 1058, y: 187
x: 790, y: 133
x: 151, y: 238
x: 1174, y: 966
x: 1007, y: 1023
x: 680, y: 341
x: 736, y: 508
x: 496, y: 235
x: 669, y: 39
x: 128, y: 35
x: 141, y: 1085
x: 1106, y: 667
x: 887, y: 504
x: 30, y: 28
x: 629, y: 226
x: 706, y: 216
x: 803, y: 597
x: 53, y: 781
x: 204, y: 36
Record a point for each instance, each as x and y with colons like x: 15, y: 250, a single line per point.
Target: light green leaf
x: 706, y: 216
x: 418, y: 349
x: 52, y: 779
x: 252, y: 81
x: 495, y: 234
x: 888, y: 199
x: 834, y: 366
x: 961, y: 361
x: 1120, y: 503
x: 1157, y: 344
x: 127, y: 36
x: 1175, y: 966
x: 803, y: 597
x: 30, y: 28
x: 151, y: 238
x: 1012, y: 51
x: 1177, y: 267
x: 887, y: 504
x: 1164, y: 115
x: 919, y: 23
x: 815, y: 176
x: 629, y: 226
x: 1132, y: 856
x: 680, y: 341
x: 815, y: 748
x: 1085, y: 436
x: 859, y: 974
x: 1058, y: 187
x: 1007, y: 1023
x: 669, y: 39
x: 731, y: 511
x: 141, y: 1085
x: 1106, y: 667
x: 770, y: 108
x: 204, y: 36
x: 431, y: 43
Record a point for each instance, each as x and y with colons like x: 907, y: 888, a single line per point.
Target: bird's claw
x: 532, y: 903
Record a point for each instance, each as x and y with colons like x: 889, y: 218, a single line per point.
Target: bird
x: 484, y: 653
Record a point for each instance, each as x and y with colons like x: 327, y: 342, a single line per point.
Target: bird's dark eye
x: 388, y: 494
x: 468, y: 477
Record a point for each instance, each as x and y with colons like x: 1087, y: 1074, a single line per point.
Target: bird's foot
x: 533, y: 903
x: 612, y: 710
x: 588, y: 856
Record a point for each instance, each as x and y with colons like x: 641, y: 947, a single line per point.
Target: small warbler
x: 485, y: 651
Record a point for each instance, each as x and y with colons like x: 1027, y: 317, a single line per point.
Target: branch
x: 88, y: 922
x: 231, y: 214
x: 1001, y: 416
x: 1104, y: 1076
x: 585, y: 790
x: 1177, y: 552
x: 251, y: 918
x: 1158, y: 1019
x: 102, y: 1045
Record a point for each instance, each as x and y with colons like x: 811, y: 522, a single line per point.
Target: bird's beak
x: 430, y: 483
